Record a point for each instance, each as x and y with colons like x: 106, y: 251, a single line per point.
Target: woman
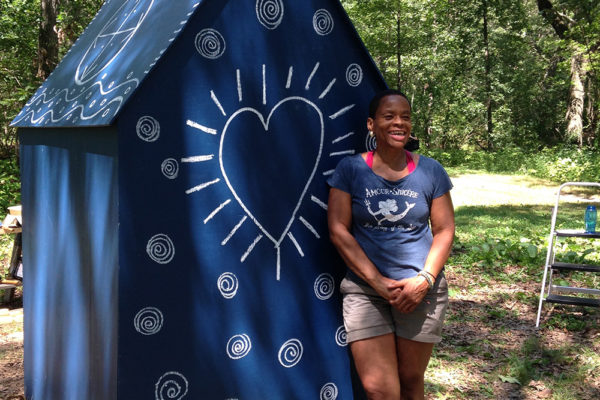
x: 391, y: 219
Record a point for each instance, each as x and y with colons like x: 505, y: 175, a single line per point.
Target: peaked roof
x: 107, y: 63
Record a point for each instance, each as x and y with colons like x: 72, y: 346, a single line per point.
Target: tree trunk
x: 488, y: 82
x: 47, y: 57
x: 574, y: 116
x: 398, y: 54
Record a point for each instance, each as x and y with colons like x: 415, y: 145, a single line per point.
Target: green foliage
x: 505, y: 251
x: 10, y: 185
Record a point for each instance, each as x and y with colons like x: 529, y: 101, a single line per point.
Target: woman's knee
x: 381, y: 388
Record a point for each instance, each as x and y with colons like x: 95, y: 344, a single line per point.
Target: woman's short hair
x: 374, y: 104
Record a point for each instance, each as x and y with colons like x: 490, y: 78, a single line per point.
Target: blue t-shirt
x: 390, y: 220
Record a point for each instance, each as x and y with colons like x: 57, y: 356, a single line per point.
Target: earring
x: 371, y: 134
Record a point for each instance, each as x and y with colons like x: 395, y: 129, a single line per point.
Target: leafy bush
x: 10, y: 185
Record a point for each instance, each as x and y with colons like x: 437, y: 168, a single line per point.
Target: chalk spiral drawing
x: 354, y: 75
x: 329, y: 391
x: 269, y: 13
x: 290, y: 353
x: 171, y: 386
x: 228, y: 285
x: 160, y: 248
x: 148, y: 321
x: 370, y: 142
x: 341, y: 336
x: 239, y: 346
x: 170, y: 168
x: 323, y: 22
x: 210, y: 43
x: 324, y: 286
x: 148, y: 129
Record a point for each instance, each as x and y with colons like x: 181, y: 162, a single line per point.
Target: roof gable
x: 107, y: 63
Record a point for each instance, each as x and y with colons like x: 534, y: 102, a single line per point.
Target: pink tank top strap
x: 409, y: 162
x: 369, y: 159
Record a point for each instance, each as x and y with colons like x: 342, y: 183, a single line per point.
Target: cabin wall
x: 70, y: 260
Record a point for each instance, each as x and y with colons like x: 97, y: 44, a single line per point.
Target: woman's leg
x: 377, y: 366
x: 413, y: 358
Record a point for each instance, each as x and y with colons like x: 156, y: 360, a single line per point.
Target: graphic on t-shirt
x: 387, y: 208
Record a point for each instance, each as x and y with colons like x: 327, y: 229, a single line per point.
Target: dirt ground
x: 11, y: 350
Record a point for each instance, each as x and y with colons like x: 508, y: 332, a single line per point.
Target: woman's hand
x: 408, y: 293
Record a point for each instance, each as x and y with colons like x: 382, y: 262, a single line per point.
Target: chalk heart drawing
x: 268, y: 187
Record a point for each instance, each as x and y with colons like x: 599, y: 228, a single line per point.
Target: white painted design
x: 309, y: 227
x: 324, y: 286
x: 275, y: 237
x: 160, y: 248
x: 202, y: 186
x: 228, y: 285
x: 327, y: 89
x: 288, y: 83
x: 195, y: 159
x: 328, y: 172
x: 239, y: 84
x: 235, y: 228
x: 202, y: 128
x: 354, y: 75
x: 312, y: 74
x: 342, y: 153
x: 111, y: 40
x: 370, y: 142
x: 148, y: 321
x: 264, y: 86
x: 216, y: 210
x: 250, y: 248
x: 239, y: 346
x: 269, y: 13
x: 341, y: 336
x: 210, y: 43
x: 329, y: 391
x: 148, y: 129
x: 339, y: 139
x: 341, y: 112
x: 319, y: 202
x: 170, y: 168
x: 293, y: 239
x: 171, y: 386
x: 217, y: 102
x: 290, y: 353
x: 323, y: 22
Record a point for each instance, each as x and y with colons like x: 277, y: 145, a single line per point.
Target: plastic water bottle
x: 590, y: 219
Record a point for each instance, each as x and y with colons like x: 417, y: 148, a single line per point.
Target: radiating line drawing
x: 228, y: 285
x: 312, y: 74
x: 210, y: 43
x: 238, y: 346
x: 341, y: 112
x: 235, y: 228
x: 264, y: 78
x: 319, y: 202
x: 288, y: 83
x: 354, y: 75
x: 201, y: 127
x: 171, y: 386
x: 251, y: 247
x: 329, y: 172
x: 290, y: 353
x: 216, y: 210
x: 293, y: 239
x: 323, y: 22
x: 341, y: 336
x: 147, y: 129
x: 148, y: 321
x: 160, y: 248
x: 269, y: 13
x: 327, y: 89
x: 239, y: 84
x: 329, y: 391
x: 339, y: 139
x: 341, y: 153
x: 195, y: 159
x: 324, y: 286
x: 309, y: 227
x: 202, y: 186
x: 275, y: 237
x: 170, y: 168
x: 218, y: 104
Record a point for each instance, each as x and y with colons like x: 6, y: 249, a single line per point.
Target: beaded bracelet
x: 428, y: 278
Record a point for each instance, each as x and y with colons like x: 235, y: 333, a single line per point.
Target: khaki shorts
x: 366, y: 314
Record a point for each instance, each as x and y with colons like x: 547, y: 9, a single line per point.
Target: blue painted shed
x: 174, y: 202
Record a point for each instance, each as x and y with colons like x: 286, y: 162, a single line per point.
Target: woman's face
x: 392, y: 124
